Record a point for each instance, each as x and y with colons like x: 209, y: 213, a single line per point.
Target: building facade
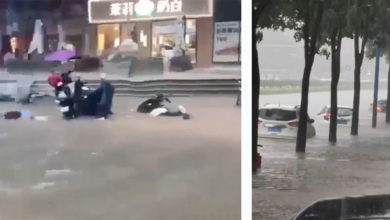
x: 152, y: 24
x: 96, y: 27
x: 17, y: 19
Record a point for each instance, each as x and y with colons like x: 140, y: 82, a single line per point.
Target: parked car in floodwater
x: 381, y: 106
x: 344, y: 114
x: 348, y: 208
x: 281, y: 121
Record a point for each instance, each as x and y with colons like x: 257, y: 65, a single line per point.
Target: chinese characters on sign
x: 118, y: 9
x: 227, y: 42
x: 103, y: 11
x: 145, y: 7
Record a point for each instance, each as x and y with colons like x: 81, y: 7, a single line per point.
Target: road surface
x: 290, y: 182
x: 131, y: 166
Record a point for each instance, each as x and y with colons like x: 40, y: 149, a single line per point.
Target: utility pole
x: 376, y: 82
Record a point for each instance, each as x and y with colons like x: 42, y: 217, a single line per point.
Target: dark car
x: 381, y: 106
x: 348, y: 208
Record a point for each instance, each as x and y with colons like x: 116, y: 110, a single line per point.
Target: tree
x: 310, y: 13
x: 260, y: 12
x: 334, y: 29
x: 378, y: 21
x: 360, y: 22
x: 255, y: 87
x: 304, y: 17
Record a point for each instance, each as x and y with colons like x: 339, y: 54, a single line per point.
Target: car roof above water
x: 277, y: 106
x: 341, y: 106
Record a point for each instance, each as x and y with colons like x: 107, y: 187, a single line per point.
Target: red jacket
x: 55, y: 80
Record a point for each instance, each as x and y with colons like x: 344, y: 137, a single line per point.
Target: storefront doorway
x: 111, y: 36
x: 164, y: 36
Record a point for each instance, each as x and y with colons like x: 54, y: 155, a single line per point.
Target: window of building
x: 108, y: 38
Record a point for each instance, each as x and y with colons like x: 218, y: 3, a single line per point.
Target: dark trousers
x: 99, y: 102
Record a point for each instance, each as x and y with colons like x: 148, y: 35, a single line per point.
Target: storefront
x: 17, y: 20
x: 153, y: 26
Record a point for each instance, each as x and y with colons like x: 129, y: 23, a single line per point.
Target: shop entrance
x: 164, y: 37
x: 111, y: 36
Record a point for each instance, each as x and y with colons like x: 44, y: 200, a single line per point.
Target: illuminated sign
x: 144, y: 8
x: 101, y: 11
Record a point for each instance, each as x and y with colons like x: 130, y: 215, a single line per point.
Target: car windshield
x: 277, y: 114
x: 344, y: 112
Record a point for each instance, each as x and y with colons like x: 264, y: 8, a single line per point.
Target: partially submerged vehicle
x: 86, y: 102
x: 348, y: 208
x: 344, y: 114
x: 281, y: 121
x: 381, y: 106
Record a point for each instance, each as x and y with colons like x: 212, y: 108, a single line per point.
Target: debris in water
x: 40, y: 118
x: 43, y: 185
x: 51, y: 173
x: 24, y: 114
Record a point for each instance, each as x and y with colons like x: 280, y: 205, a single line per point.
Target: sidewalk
x: 18, y: 84
x: 216, y: 72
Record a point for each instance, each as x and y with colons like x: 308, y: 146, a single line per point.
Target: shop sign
x: 227, y: 42
x: 117, y: 10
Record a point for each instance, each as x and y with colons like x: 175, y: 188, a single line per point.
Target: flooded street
x: 131, y: 166
x: 289, y: 182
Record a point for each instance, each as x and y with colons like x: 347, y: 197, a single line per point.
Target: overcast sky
x: 281, y: 55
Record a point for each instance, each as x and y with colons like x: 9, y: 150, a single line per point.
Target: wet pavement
x: 131, y: 166
x: 289, y: 182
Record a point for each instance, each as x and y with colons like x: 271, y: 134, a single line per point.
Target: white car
x: 344, y: 114
x: 278, y: 121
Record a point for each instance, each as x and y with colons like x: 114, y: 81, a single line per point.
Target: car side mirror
x: 311, y: 121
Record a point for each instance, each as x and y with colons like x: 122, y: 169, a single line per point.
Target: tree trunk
x: 388, y: 97
x: 302, y: 126
x: 336, y: 48
x: 255, y: 88
x: 359, y: 53
x: 310, y: 40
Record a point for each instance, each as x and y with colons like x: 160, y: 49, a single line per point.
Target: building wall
x: 227, y: 10
x: 91, y: 34
x: 205, y: 34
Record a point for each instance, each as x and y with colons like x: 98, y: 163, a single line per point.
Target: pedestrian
x: 151, y: 104
x: 161, y: 105
x: 59, y: 82
x: 97, y: 103
x: 56, y: 82
x: 78, y: 96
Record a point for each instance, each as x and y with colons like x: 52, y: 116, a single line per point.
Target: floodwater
x: 131, y: 166
x: 289, y: 182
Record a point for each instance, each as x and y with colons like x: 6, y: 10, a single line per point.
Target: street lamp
x: 378, y: 51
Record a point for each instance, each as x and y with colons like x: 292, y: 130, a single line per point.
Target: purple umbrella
x: 61, y: 55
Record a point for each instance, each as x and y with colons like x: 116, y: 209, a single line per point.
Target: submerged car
x: 351, y: 208
x: 278, y: 121
x: 344, y: 114
x: 381, y: 106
